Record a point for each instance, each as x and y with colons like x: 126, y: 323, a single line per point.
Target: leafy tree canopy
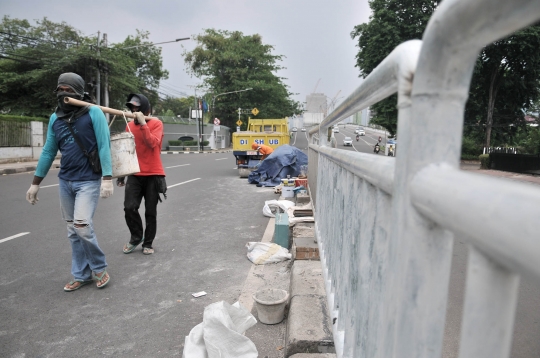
x: 231, y: 61
x: 33, y: 56
x: 391, y: 23
x: 504, y: 84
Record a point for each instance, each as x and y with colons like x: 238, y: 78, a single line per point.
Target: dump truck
x: 271, y: 132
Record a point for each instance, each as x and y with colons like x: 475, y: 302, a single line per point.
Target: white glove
x: 31, y: 194
x: 106, y: 189
x: 140, y: 118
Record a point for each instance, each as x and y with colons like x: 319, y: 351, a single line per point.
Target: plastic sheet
x: 221, y: 333
x: 284, y: 160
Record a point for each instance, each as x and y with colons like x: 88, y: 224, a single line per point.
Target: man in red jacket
x: 146, y: 184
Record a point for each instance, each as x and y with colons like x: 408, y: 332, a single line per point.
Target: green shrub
x: 484, y: 161
x: 14, y: 118
x: 175, y: 142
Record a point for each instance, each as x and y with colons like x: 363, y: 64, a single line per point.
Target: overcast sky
x: 313, y: 35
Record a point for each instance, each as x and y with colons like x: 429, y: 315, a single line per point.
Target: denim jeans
x: 137, y: 188
x: 78, y: 202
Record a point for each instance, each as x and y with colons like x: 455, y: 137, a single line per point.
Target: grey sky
x: 313, y: 35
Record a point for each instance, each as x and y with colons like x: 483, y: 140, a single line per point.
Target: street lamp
x: 157, y: 43
x: 221, y: 94
x: 224, y: 93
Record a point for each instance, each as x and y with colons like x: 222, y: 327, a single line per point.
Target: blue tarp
x: 284, y: 160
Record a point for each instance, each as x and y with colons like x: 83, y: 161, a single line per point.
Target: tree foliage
x: 231, y: 61
x: 504, y: 83
x: 392, y: 22
x: 33, y: 56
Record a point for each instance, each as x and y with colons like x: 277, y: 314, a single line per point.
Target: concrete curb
x: 27, y: 169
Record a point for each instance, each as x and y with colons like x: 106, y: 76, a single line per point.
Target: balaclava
x: 66, y: 111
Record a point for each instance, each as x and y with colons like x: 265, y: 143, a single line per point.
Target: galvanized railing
x: 385, y: 226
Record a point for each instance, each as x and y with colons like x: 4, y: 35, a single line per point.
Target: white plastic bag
x: 271, y: 206
x: 221, y: 333
x: 261, y: 253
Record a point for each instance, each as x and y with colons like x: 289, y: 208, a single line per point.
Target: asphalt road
x: 147, y: 309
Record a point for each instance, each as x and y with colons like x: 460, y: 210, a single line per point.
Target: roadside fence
x: 15, y: 134
x: 385, y: 226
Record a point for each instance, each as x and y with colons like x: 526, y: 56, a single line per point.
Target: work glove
x: 106, y: 189
x: 140, y: 118
x: 31, y: 194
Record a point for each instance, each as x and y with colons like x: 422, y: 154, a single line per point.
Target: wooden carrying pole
x: 76, y: 102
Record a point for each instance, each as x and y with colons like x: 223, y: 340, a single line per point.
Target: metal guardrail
x: 15, y: 134
x: 385, y: 226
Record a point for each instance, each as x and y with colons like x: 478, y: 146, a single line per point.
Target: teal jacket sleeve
x: 50, y: 149
x: 103, y: 138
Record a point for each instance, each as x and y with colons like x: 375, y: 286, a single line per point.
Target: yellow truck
x: 271, y: 132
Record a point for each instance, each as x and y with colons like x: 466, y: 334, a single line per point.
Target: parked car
x: 303, y: 129
x: 360, y: 131
x: 294, y: 129
x: 335, y: 130
x: 347, y: 141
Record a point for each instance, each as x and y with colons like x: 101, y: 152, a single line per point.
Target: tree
x: 177, y: 106
x: 32, y: 57
x: 505, y: 85
x: 391, y: 23
x: 230, y: 61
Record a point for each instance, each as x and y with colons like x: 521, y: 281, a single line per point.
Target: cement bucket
x: 123, y: 155
x: 270, y: 303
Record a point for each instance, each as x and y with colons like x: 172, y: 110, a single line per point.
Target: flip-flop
x: 82, y: 283
x: 148, y: 251
x: 99, y: 277
x: 128, y: 248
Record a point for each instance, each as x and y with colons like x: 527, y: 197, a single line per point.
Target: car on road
x: 347, y: 141
x: 303, y: 129
x: 294, y: 129
x: 335, y: 130
x: 360, y: 131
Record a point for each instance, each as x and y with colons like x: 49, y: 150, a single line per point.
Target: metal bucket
x: 123, y: 155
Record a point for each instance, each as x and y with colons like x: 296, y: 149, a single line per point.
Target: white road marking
x: 174, y: 166
x: 48, y: 186
x: 222, y: 158
x: 14, y: 236
x: 172, y: 186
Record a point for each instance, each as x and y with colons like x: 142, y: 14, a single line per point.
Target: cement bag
x: 221, y: 333
x: 270, y: 207
x: 123, y: 155
x: 261, y: 253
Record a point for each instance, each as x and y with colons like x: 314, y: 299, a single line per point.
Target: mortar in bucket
x: 270, y: 303
x: 123, y: 155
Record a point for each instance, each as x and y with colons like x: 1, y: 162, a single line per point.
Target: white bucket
x: 123, y: 155
x: 271, y: 304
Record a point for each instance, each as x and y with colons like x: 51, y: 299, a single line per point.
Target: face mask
x: 66, y: 107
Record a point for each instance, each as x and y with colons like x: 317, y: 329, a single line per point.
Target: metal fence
x: 385, y: 226
x: 15, y: 134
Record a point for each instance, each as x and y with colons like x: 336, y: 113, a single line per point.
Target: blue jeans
x: 78, y: 202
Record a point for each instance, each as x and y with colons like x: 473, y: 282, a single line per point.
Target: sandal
x: 81, y: 283
x: 148, y: 251
x: 128, y: 248
x: 99, y: 277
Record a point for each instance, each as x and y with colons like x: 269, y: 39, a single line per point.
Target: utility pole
x: 98, y: 75
x: 106, y: 83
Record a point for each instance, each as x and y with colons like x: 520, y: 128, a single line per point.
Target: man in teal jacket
x: 80, y: 186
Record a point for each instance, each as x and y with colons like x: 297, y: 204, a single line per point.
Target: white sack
x: 271, y: 207
x: 261, y: 253
x: 221, y: 333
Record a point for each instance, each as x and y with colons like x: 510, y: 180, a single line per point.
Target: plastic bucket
x: 123, y: 155
x: 270, y: 303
